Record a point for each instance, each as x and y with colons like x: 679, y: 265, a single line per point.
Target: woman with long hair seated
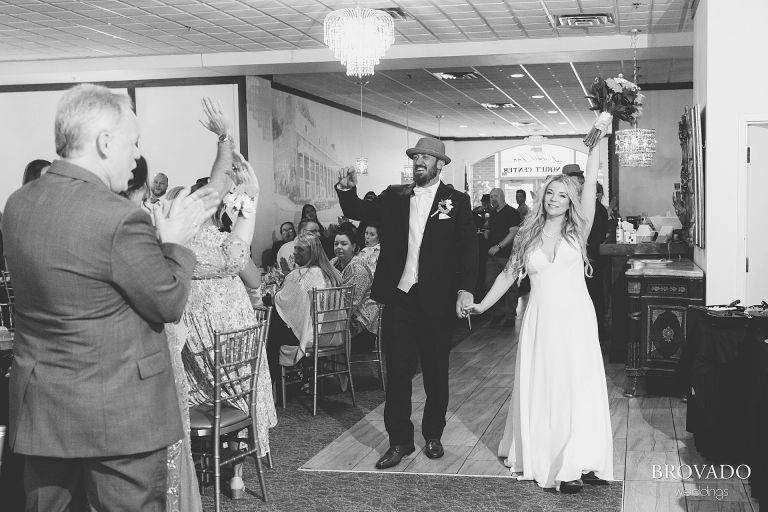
x: 371, y: 247
x: 291, y: 327
x: 355, y: 271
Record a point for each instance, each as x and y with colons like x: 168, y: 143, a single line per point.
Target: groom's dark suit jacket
x: 448, y: 256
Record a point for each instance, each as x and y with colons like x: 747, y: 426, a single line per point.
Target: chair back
x: 331, y: 314
x: 237, y: 361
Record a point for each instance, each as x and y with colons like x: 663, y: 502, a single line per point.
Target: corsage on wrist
x: 240, y: 204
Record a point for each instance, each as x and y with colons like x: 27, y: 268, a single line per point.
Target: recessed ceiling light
x: 462, y: 126
x: 497, y: 105
x: 456, y: 75
x: 562, y: 122
x: 481, y: 134
x: 517, y: 75
x: 537, y: 96
x: 551, y: 111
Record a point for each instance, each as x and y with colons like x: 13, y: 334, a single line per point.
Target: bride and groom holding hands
x: 558, y: 429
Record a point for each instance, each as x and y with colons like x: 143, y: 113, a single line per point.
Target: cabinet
x: 658, y: 299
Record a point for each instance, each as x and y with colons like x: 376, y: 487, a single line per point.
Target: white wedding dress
x: 558, y: 424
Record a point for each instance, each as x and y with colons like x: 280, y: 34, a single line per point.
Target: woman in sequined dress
x: 217, y: 300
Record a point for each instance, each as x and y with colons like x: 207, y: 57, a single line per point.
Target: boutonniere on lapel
x: 444, y: 207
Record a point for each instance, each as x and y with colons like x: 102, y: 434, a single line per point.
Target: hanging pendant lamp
x: 635, y: 146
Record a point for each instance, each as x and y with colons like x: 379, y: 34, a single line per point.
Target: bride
x: 558, y: 429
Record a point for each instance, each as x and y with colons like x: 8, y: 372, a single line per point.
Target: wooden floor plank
x: 647, y: 431
x: 649, y: 496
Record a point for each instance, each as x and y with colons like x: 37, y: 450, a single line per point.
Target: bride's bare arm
x: 589, y: 192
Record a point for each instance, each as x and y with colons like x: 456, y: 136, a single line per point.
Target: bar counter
x: 614, y: 331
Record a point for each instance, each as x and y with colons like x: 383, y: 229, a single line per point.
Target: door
x: 757, y: 238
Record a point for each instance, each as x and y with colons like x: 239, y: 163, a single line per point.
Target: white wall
x: 172, y: 139
x: 733, y: 96
x: 700, y: 87
x: 650, y: 189
x: 26, y: 134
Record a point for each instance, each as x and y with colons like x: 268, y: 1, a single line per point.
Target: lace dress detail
x: 218, y: 300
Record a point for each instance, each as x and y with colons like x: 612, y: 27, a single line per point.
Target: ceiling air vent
x: 397, y: 13
x: 583, y: 20
x: 456, y: 75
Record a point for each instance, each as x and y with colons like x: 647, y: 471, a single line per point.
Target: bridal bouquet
x: 614, y: 97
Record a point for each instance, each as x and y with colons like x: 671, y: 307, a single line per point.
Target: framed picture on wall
x: 697, y: 174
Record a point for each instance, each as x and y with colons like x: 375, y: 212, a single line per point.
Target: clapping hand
x: 245, y: 176
x: 179, y: 220
x: 347, y: 177
x: 217, y: 121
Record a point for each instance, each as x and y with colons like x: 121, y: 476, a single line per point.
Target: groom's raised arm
x: 353, y: 207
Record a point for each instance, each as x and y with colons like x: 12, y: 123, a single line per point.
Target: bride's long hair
x: 529, y: 236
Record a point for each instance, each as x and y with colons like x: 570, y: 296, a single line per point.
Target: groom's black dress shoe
x: 434, y: 449
x: 591, y: 479
x: 394, y: 455
x: 571, y: 487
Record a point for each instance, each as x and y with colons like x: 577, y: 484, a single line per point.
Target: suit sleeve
x: 154, y: 278
x: 467, y: 245
x: 355, y: 208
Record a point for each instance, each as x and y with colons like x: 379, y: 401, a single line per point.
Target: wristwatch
x: 225, y: 137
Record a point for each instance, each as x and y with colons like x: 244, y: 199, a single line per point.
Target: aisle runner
x: 482, y: 374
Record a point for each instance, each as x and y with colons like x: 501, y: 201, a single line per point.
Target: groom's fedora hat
x: 572, y: 170
x: 429, y: 146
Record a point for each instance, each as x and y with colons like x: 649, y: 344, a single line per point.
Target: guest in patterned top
x: 355, y: 271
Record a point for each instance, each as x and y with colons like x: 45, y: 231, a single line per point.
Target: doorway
x: 756, y: 241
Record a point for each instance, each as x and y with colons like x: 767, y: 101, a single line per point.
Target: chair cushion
x: 201, y: 416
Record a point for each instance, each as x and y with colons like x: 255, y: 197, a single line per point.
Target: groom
x: 428, y: 263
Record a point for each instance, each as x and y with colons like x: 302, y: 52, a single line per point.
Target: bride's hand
x: 474, y: 309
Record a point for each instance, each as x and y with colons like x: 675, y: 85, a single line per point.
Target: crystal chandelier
x: 407, y: 175
x: 358, y: 38
x: 636, y: 147
x: 361, y: 164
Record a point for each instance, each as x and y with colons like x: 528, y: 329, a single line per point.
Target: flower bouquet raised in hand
x: 614, y: 97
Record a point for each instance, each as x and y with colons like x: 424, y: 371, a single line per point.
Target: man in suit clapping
x: 426, y: 269
x: 92, y: 402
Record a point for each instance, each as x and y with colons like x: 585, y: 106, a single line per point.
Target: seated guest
x: 34, y: 170
x: 284, y: 256
x: 354, y: 271
x: 370, y: 252
x: 291, y: 326
x: 287, y: 234
x: 369, y: 196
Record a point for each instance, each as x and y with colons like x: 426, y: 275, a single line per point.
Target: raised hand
x: 245, y: 176
x: 217, y: 122
x: 347, y: 177
x: 178, y: 223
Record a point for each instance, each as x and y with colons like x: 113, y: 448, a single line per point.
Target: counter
x: 613, y: 262
x: 659, y: 297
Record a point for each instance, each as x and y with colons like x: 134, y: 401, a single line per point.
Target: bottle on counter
x: 632, y: 238
x: 619, y: 232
